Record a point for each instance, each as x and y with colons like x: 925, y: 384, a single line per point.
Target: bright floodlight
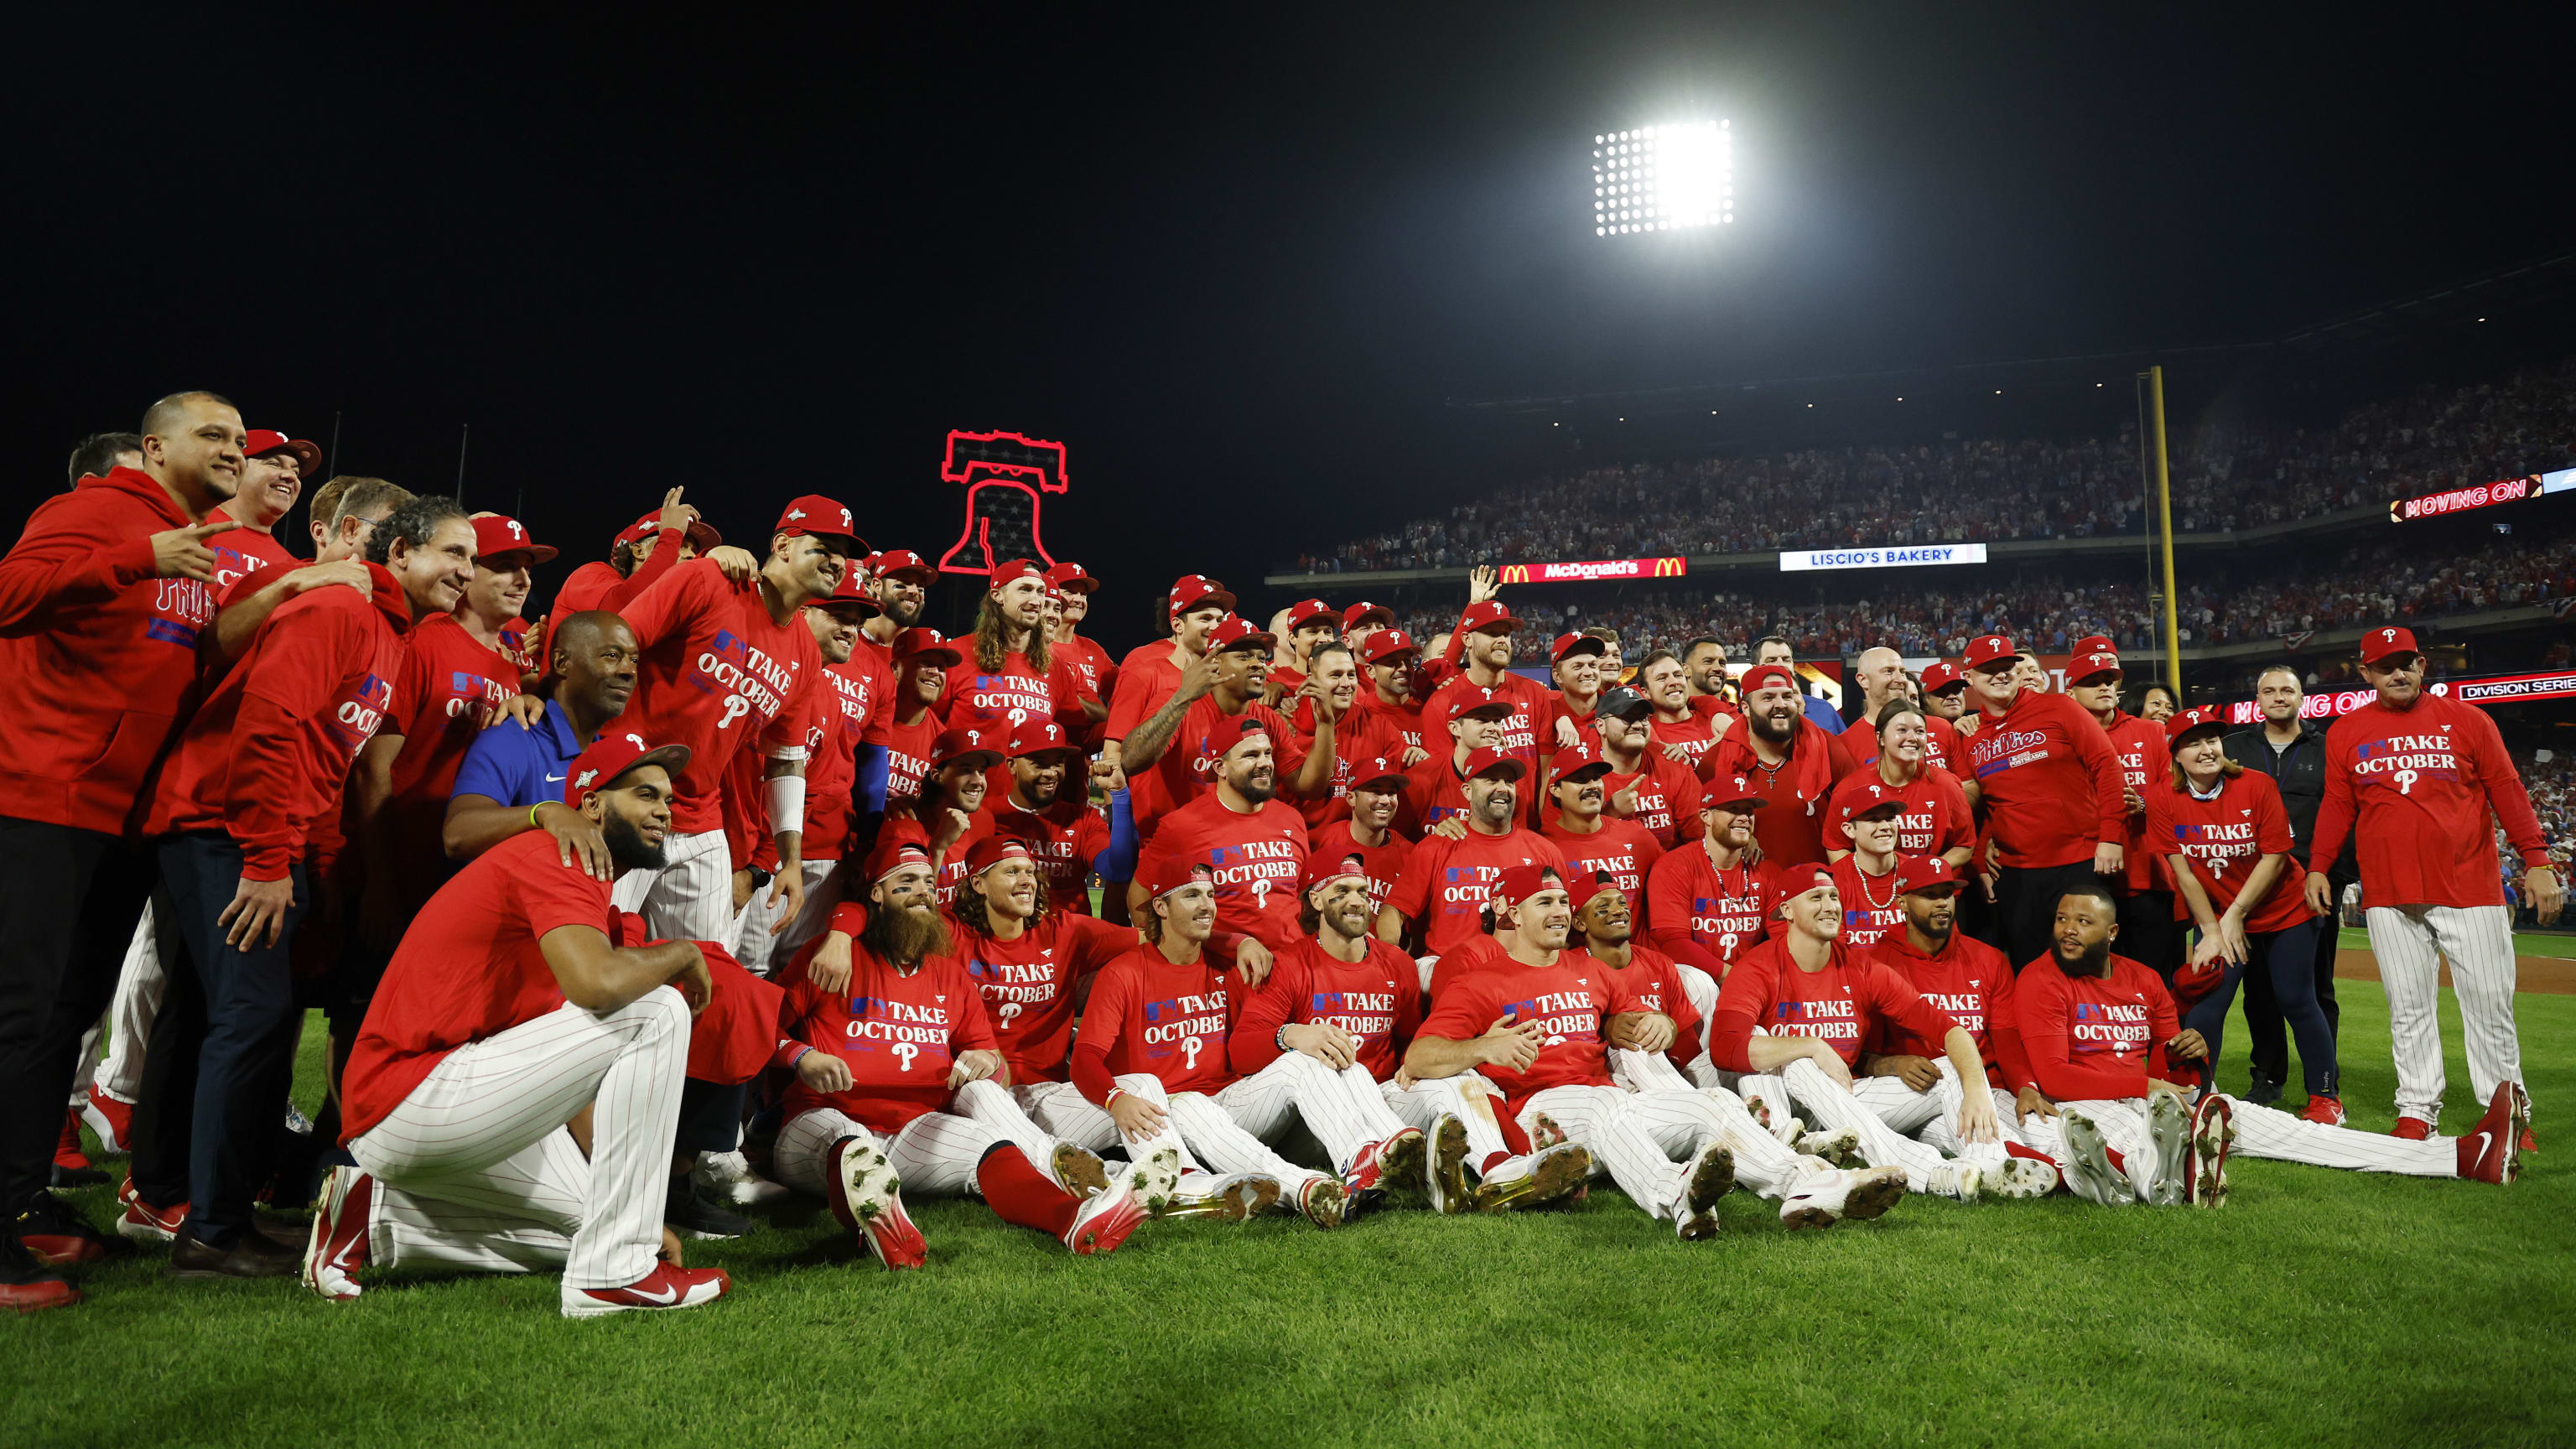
x: 1663, y: 178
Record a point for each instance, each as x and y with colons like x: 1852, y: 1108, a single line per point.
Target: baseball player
x: 638, y: 558
x: 1449, y: 878
x: 1794, y: 763
x: 1376, y: 796
x: 2101, y: 1032
x: 1096, y: 674
x: 1152, y: 1052
x: 2051, y: 788
x: 1650, y: 788
x: 2147, y: 914
x: 895, y: 748
x: 1575, y: 662
x: 1311, y: 623
x: 853, y: 690
x: 512, y: 1096
x: 879, y: 1063
x: 1151, y: 673
x: 1817, y: 1004
x: 1538, y: 1025
x: 1045, y: 812
x: 1936, y: 818
x: 2412, y: 777
x: 1333, y: 674
x: 947, y: 818
x: 1436, y: 789
x: 1170, y: 758
x: 1866, y: 876
x: 1391, y: 657
x: 1485, y: 633
x: 1012, y: 675
x: 1704, y: 900
x: 725, y: 665
x: 1945, y: 698
x: 1591, y: 839
x: 1253, y: 844
x: 1683, y: 729
x: 1881, y: 672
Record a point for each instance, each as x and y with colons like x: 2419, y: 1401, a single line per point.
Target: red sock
x: 1513, y: 1137
x: 2015, y: 1149
x: 1019, y: 1193
x: 2118, y: 1163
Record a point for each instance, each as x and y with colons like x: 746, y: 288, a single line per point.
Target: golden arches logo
x: 1516, y: 573
x: 1671, y: 568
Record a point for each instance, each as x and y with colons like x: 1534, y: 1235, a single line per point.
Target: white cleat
x: 1871, y: 1191
x: 1712, y: 1176
x: 1837, y: 1148
x: 2089, y: 1173
x: 2213, y: 1132
x: 1235, y: 1199
x: 1541, y: 1178
x: 1154, y: 1179
x: 2022, y: 1177
x: 1959, y: 1181
x: 727, y: 1177
x: 2168, y: 1181
x: 1078, y: 1170
x: 1444, y: 1167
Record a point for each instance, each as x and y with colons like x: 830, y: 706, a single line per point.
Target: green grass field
x: 2319, y: 1307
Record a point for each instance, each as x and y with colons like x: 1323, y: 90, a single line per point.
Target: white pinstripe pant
x: 1762, y: 1162
x: 2283, y: 1137
x: 479, y: 1173
x: 1207, y: 1136
x: 2037, y: 1133
x: 2410, y: 942
x: 1467, y: 1096
x: 1344, y: 1109
x: 822, y: 893
x: 1632, y: 1135
x: 993, y: 1105
x: 1059, y: 1110
x: 140, y: 985
x: 690, y: 898
x: 936, y: 1152
x: 1870, y: 1109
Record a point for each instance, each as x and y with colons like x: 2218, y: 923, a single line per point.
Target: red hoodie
x: 1791, y: 828
x: 600, y: 586
x: 268, y: 754
x: 2051, y: 780
x: 98, y: 650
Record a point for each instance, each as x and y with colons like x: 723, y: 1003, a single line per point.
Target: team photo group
x: 720, y: 885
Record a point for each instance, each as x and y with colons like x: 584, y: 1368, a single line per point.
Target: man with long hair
x: 1011, y: 673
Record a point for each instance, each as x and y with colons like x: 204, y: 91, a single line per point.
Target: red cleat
x: 2522, y: 1106
x: 2413, y: 1129
x: 337, y: 1249
x: 26, y: 1286
x: 664, y: 1287
x: 2490, y: 1152
x: 2325, y: 1111
x: 72, y: 1166
x: 111, y: 1119
x: 144, y: 1223
x: 867, y: 1197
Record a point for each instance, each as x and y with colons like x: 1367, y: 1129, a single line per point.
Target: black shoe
x: 252, y: 1254
x: 54, y: 1233
x: 27, y: 1285
x: 691, y: 1216
x: 2262, y: 1091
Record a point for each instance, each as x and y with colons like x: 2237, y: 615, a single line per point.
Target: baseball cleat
x: 1103, y: 1222
x: 1154, y: 1179
x: 71, y: 1165
x: 111, y: 1119
x: 2169, y: 1133
x: 1816, y: 1199
x: 2022, y: 1177
x: 1541, y: 1178
x: 727, y: 1177
x: 2089, y: 1173
x: 1231, y: 1199
x: 2213, y: 1131
x: 1544, y: 1133
x: 1837, y: 1148
x: 1444, y: 1167
x: 336, y: 1249
x: 2492, y: 1150
x: 1078, y: 1170
x: 1365, y: 1183
x: 2413, y: 1129
x: 1400, y: 1158
x: 2324, y: 1111
x: 664, y: 1287
x: 1959, y: 1181
x: 1871, y: 1191
x: 1712, y: 1176
x: 1323, y: 1203
x: 867, y: 1199
x: 144, y: 1223
x: 2522, y: 1106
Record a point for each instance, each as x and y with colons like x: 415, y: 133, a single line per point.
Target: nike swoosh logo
x: 551, y: 779
x: 2481, y: 1139
x: 667, y: 1295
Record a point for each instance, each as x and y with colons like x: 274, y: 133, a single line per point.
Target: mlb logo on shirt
x: 1223, y: 853
x: 730, y: 645
x: 2087, y: 1011
x: 464, y: 681
x: 1154, y: 1011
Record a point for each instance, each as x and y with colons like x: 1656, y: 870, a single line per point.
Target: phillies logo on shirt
x: 751, y: 681
x: 180, y: 607
x: 1188, y: 1027
x: 1990, y: 751
x: 355, y: 719
x: 2117, y: 1027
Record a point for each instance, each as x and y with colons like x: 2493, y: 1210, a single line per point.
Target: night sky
x: 1235, y: 264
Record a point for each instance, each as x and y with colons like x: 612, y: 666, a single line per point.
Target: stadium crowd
x: 2226, y: 476
x: 721, y: 877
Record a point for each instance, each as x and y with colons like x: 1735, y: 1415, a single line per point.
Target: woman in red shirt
x: 2229, y: 841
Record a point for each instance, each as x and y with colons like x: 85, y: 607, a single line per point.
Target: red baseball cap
x: 1387, y: 644
x: 1941, y: 674
x: 1487, y: 615
x: 1307, y: 611
x: 819, y: 517
x: 2381, y: 644
x: 1518, y: 883
x: 1364, y: 611
x: 2095, y: 644
x: 1763, y: 675
x: 1859, y: 804
x: 899, y: 562
x: 1487, y: 760
x: 1788, y: 882
x: 1568, y: 645
x: 1038, y: 737
x: 1988, y: 649
x: 1011, y: 571
x: 991, y: 851
x: 1323, y: 866
x: 1369, y: 774
x: 1584, y: 756
x: 850, y: 593
x: 495, y: 535
x: 2086, y: 666
x: 2190, y: 721
x: 1729, y: 791
x: 1916, y: 874
x: 611, y: 756
x: 308, y: 458
x: 1466, y: 702
x: 965, y: 742
x: 2194, y: 980
x: 914, y: 644
x: 1237, y: 632
x: 1175, y: 871
x: 701, y: 534
x: 1070, y: 578
x: 894, y: 855
x: 1197, y: 591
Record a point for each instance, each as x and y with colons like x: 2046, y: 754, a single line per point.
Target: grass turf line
x: 2319, y: 1307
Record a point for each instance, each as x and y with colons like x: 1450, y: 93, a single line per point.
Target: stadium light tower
x: 1663, y: 178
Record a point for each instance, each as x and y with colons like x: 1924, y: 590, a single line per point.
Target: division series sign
x: 2492, y: 690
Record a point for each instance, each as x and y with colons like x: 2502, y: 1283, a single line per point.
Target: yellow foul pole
x: 2164, y: 508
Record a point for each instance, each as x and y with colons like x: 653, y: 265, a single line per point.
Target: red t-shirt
x: 1702, y: 915
x: 242, y: 552
x: 1516, y: 735
x: 1143, y: 681
x: 2051, y: 783
x: 1622, y: 849
x: 831, y: 760
x: 1029, y: 984
x: 1064, y: 837
x: 601, y: 586
x: 2221, y: 840
x: 1448, y: 882
x: 1839, y: 1005
x: 469, y: 968
x: 2093, y: 1039
x: 1432, y: 792
x: 1972, y: 985
x: 1186, y: 770
x: 907, y: 748
x: 1384, y: 863
x: 1655, y: 980
x: 1568, y: 1001
x: 1017, y: 692
x: 1147, y: 1015
x: 1405, y: 720
x: 1791, y: 828
x: 1668, y: 797
x: 1257, y: 860
x: 1356, y: 737
x: 2145, y: 760
x: 1696, y: 733
x: 1940, y: 744
x: 716, y: 672
x: 448, y: 681
x: 1094, y: 678
x: 2419, y: 783
x: 1936, y: 818
x: 1871, y: 907
x: 899, y: 1034
x: 1377, y: 999
x: 1484, y: 953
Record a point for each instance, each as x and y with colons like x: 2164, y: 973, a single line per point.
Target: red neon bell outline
x: 976, y: 472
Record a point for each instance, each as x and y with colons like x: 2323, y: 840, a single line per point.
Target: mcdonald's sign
x: 1668, y: 567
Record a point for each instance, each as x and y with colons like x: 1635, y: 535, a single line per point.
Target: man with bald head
x: 101, y: 599
x: 1881, y: 672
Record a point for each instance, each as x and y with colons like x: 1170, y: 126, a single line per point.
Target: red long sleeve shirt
x: 832, y: 743
x: 1972, y: 985
x: 899, y: 1032
x: 601, y: 586
x: 717, y: 672
x: 1448, y: 882
x: 1029, y: 984
x: 1655, y: 980
x: 268, y: 754
x: 2419, y: 782
x: 2093, y: 1039
x: 1702, y: 915
x: 1841, y: 1005
x: 99, y: 652
x: 1148, y: 1016
x: 2051, y: 781
x: 1377, y: 999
